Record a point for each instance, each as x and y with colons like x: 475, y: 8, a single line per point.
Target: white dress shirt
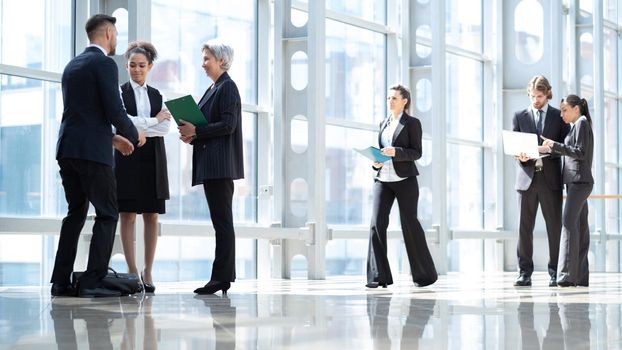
x: 387, y: 172
x: 534, y: 114
x: 143, y: 120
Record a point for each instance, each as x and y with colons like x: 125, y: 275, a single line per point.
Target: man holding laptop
x: 539, y: 181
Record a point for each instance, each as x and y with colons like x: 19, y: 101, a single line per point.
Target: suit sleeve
x: 414, y: 149
x: 229, y: 105
x: 111, y: 100
x: 581, y: 139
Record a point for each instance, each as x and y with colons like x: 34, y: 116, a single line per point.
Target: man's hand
x: 122, y: 145
x: 378, y: 165
x: 141, y: 138
x: 522, y: 157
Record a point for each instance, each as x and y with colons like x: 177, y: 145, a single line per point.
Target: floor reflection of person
x: 419, y: 314
x: 150, y: 340
x: 97, y: 314
x: 378, y: 313
x: 223, y: 318
x: 553, y: 338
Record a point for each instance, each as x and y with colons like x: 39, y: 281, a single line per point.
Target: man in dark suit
x: 92, y: 104
x: 538, y: 181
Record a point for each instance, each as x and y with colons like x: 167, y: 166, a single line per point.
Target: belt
x: 538, y: 168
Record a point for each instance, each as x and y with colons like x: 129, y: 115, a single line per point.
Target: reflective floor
x: 458, y: 312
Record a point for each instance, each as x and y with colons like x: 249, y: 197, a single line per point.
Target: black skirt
x: 146, y: 200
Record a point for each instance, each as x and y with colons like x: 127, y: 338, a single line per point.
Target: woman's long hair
x: 584, y: 109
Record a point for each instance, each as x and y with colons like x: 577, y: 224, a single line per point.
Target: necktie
x: 539, y: 123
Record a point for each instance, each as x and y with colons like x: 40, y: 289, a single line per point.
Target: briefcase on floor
x: 126, y: 283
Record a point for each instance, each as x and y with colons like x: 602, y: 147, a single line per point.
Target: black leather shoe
x: 553, y: 282
x: 98, y: 292
x: 63, y: 290
x: 565, y: 284
x: 147, y: 287
x: 376, y: 285
x: 214, y: 286
x: 523, y: 281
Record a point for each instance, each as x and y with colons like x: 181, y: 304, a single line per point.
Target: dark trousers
x: 421, y: 263
x: 85, y: 181
x: 219, y: 195
x: 575, y: 238
x: 551, y: 203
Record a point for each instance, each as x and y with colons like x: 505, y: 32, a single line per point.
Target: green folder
x: 185, y: 108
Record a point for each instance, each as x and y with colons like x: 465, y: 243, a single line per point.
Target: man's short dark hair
x: 96, y: 22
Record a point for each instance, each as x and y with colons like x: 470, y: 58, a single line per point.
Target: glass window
x: 612, y: 215
x: 188, y: 202
x: 355, y: 73
x: 371, y: 10
x: 466, y: 192
x: 189, y: 25
x: 611, y: 130
x: 529, y: 30
x: 464, y: 24
x: 349, y: 177
x: 610, y: 59
x: 464, y: 98
x: 610, y: 10
x: 191, y: 259
x: 31, y: 32
x: 26, y: 176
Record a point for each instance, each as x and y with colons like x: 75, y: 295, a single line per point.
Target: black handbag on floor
x: 126, y: 283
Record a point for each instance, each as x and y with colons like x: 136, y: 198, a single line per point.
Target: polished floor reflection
x: 458, y: 312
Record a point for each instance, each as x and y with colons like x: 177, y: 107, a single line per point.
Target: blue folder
x: 373, y: 154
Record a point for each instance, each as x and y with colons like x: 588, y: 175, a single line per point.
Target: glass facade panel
x: 466, y: 192
x: 464, y: 98
x: 529, y: 31
x: 371, y: 10
x: 349, y: 177
x: 464, y: 24
x: 355, y: 73
x: 31, y: 32
x: 189, y: 24
x: 611, y: 130
x: 29, y: 110
x: 610, y: 59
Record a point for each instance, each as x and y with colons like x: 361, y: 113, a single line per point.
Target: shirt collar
x: 390, y: 119
x: 99, y: 47
x: 135, y: 85
x: 543, y: 109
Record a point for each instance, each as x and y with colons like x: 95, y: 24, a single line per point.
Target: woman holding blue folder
x: 217, y: 158
x: 399, y: 138
x: 142, y: 179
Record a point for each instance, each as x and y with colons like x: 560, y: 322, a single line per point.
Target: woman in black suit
x: 142, y: 180
x: 217, y: 158
x: 578, y: 151
x: 399, y: 138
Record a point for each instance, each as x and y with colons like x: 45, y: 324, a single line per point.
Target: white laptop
x: 515, y: 143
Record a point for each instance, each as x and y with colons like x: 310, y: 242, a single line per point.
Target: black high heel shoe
x: 147, y: 287
x: 214, y: 286
x: 376, y: 285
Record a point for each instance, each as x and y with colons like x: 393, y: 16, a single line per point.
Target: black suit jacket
x: 407, y: 144
x: 554, y: 129
x: 91, y: 105
x: 127, y: 168
x: 218, y: 147
x: 578, y: 152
